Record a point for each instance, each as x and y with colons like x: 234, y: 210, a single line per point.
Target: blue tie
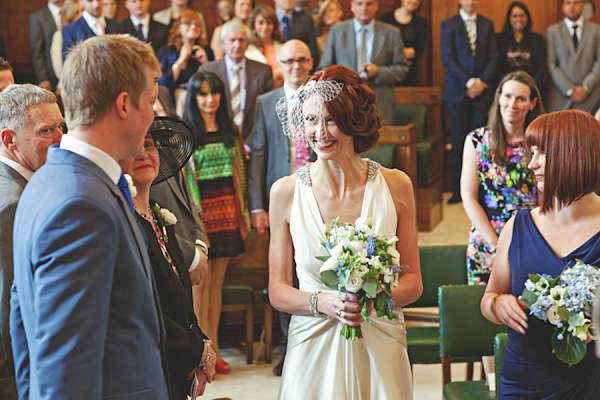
x: 285, y: 21
x: 125, y: 190
x: 140, y: 32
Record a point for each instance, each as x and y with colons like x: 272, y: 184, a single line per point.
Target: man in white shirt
x: 91, y: 23
x: 42, y: 25
x: 140, y: 25
x: 573, y: 61
x: 30, y: 121
x: 82, y: 274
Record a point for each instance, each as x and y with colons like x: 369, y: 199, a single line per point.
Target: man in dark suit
x: 371, y: 48
x: 273, y: 154
x: 82, y: 274
x: 30, y: 121
x: 42, y: 25
x: 249, y: 77
x: 6, y: 74
x: 573, y: 61
x: 140, y: 25
x: 296, y: 25
x: 91, y: 23
x: 470, y: 55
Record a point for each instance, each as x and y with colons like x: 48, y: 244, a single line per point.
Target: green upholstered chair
x: 500, y: 342
x: 238, y: 296
x: 464, y: 333
x: 440, y: 265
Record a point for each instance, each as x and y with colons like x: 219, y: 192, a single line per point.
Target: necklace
x: 149, y: 216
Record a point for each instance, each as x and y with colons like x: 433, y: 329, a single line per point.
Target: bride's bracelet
x: 312, y: 304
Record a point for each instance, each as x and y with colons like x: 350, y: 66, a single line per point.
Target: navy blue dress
x: 530, y: 369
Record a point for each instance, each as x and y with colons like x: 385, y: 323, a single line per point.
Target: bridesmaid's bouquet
x: 565, y: 302
x: 361, y: 263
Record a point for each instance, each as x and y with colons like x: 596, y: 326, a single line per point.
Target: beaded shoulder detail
x: 303, y: 173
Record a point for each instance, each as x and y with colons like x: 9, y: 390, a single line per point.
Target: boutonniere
x: 132, y: 188
x: 165, y: 218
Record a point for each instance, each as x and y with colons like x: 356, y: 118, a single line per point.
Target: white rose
x: 168, y: 217
x: 395, y: 255
x: 337, y: 251
x: 362, y: 225
x: 375, y: 263
x: 355, y: 282
x: 328, y: 265
x: 132, y: 188
x: 553, y: 316
x: 358, y: 246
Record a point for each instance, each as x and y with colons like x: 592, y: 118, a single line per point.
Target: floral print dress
x: 503, y: 190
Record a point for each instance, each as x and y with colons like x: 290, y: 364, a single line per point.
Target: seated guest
x: 110, y: 8
x: 188, y: 351
x: 217, y: 178
x: 414, y: 34
x: 140, y: 25
x: 42, y: 25
x: 244, y: 79
x: 169, y: 15
x: 92, y: 23
x: 372, y: 49
x: 183, y: 54
x: 6, y: 74
x: 573, y: 60
x: 265, y: 40
x: 30, y: 121
x: 296, y: 25
x: 330, y: 13
x: 520, y: 49
x: 241, y: 11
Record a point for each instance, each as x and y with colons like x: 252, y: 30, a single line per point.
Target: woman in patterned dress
x: 495, y: 181
x: 218, y: 184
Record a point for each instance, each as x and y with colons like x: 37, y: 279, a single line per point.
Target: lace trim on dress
x: 303, y: 173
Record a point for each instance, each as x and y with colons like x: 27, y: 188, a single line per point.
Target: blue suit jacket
x: 459, y: 61
x: 84, y: 313
x: 79, y: 30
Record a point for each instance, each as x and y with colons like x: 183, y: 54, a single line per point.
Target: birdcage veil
x: 301, y: 113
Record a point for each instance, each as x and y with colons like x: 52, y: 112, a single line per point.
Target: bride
x: 335, y: 112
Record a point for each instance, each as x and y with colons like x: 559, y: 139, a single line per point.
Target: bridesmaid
x: 414, y: 34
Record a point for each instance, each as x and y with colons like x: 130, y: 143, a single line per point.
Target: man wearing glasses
x: 273, y: 154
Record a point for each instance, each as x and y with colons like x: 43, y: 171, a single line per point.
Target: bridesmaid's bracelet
x: 312, y: 304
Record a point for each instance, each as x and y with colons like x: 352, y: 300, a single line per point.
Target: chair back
x: 464, y: 332
x: 440, y: 265
x: 500, y: 342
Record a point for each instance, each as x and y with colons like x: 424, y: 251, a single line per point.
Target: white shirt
x: 579, y: 24
x: 55, y: 11
x: 370, y: 27
x: 229, y: 64
x: 91, y: 21
x: 24, y: 172
x: 467, y: 19
x: 105, y: 162
x: 145, y: 24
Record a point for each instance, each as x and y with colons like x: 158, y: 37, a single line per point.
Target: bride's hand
x: 343, y: 307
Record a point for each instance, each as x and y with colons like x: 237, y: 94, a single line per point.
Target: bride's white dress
x: 320, y: 364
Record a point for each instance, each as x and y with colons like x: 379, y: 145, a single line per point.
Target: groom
x: 85, y: 319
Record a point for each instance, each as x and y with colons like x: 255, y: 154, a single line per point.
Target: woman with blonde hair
x: 69, y: 12
x: 241, y: 11
x: 265, y: 40
x: 330, y: 13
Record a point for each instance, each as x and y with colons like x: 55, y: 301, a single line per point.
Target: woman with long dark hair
x: 218, y: 184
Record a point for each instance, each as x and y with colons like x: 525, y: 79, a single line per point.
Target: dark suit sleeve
x: 73, y: 257
x: 449, y: 56
x: 489, y: 71
x: 257, y: 171
x: 38, y: 49
x: 421, y: 28
x: 167, y: 57
x: 539, y: 48
x: 69, y: 40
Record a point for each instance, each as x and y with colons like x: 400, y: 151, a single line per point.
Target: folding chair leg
x: 268, y: 333
x: 469, y: 376
x: 249, y: 334
x: 446, y: 371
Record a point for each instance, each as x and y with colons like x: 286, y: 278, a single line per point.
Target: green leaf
x: 370, y: 287
x: 570, y: 350
x: 563, y: 313
x: 529, y: 297
x: 575, y: 320
x: 534, y: 277
x: 371, y: 274
x: 329, y: 278
x: 323, y: 258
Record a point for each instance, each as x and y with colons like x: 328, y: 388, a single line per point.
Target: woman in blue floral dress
x: 495, y: 181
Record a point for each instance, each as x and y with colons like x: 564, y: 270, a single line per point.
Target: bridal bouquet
x: 566, y: 302
x: 361, y: 263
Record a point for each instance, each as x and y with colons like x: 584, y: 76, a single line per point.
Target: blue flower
x: 559, y: 336
x: 370, y: 247
x: 329, y: 245
x: 395, y: 268
x: 338, y: 271
x: 342, y: 263
x: 391, y: 303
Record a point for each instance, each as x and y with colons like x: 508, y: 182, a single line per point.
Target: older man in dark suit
x: 296, y: 25
x: 371, y: 48
x: 470, y: 55
x: 244, y: 79
x: 30, y: 122
x: 82, y: 273
x: 92, y: 23
x: 140, y: 25
x: 42, y: 25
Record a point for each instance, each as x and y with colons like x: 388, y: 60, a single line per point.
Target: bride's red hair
x: 353, y: 110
